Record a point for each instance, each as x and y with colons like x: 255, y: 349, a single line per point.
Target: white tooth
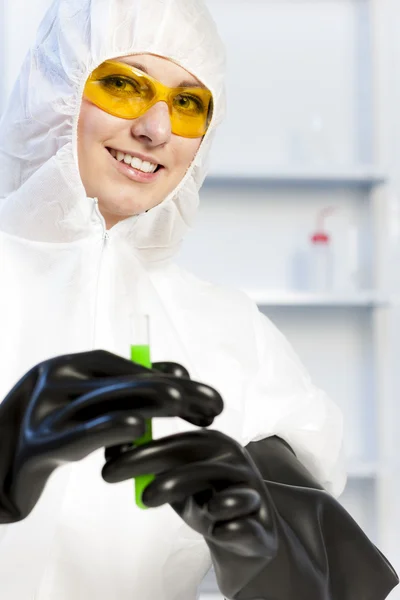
x: 146, y: 167
x: 120, y: 156
x: 136, y: 162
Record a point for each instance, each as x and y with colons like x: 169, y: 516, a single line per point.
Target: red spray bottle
x: 321, y: 255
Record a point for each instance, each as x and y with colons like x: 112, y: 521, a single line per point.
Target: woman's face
x: 122, y: 190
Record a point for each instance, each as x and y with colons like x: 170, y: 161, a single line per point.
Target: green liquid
x: 141, y: 354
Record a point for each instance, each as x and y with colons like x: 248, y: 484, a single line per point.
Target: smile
x: 133, y: 167
x: 134, y: 161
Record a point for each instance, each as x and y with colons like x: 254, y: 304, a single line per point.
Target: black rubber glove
x: 268, y: 540
x: 69, y: 406
x: 213, y: 484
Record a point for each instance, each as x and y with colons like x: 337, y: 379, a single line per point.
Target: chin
x: 124, y: 209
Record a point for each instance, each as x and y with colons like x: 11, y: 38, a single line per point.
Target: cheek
x: 94, y: 125
x: 187, y: 150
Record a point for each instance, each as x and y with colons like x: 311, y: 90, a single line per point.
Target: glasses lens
x: 190, y: 110
x: 119, y: 91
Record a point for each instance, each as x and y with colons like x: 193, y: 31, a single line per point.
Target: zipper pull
x: 106, y: 236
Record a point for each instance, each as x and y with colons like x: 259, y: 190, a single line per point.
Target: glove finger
x: 149, y: 398
x: 233, y: 503
x: 170, y: 452
x: 112, y: 452
x: 172, y: 369
x: 111, y: 429
x: 202, y: 421
x: 182, y: 482
x: 189, y: 480
x: 92, y: 364
x: 115, y: 451
x: 246, y: 537
x: 103, y: 364
x: 201, y: 399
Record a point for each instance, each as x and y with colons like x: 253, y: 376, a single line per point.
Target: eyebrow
x: 184, y: 83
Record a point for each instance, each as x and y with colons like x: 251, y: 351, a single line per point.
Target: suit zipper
x: 97, y: 298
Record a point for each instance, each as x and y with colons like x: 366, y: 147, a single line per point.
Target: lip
x: 143, y: 157
x: 132, y: 173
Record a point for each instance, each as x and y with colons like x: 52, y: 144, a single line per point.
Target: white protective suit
x: 68, y: 285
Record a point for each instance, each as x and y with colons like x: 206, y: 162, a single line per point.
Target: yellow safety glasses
x: 127, y: 92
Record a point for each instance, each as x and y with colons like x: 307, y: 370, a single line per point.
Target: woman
x: 103, y: 150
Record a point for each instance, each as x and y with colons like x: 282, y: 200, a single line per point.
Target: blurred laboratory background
x: 302, y: 209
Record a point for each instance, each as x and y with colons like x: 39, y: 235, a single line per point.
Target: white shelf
x: 357, y: 176
x: 363, y: 299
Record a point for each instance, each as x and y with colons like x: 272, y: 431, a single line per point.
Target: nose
x: 154, y: 126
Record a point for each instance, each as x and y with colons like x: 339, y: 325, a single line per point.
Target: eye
x: 118, y: 85
x: 189, y: 103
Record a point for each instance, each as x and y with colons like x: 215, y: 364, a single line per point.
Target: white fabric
x: 68, y: 286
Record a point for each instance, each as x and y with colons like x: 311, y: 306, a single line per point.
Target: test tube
x: 140, y: 353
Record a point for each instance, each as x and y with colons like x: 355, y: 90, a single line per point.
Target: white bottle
x: 321, y: 263
x: 321, y: 257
